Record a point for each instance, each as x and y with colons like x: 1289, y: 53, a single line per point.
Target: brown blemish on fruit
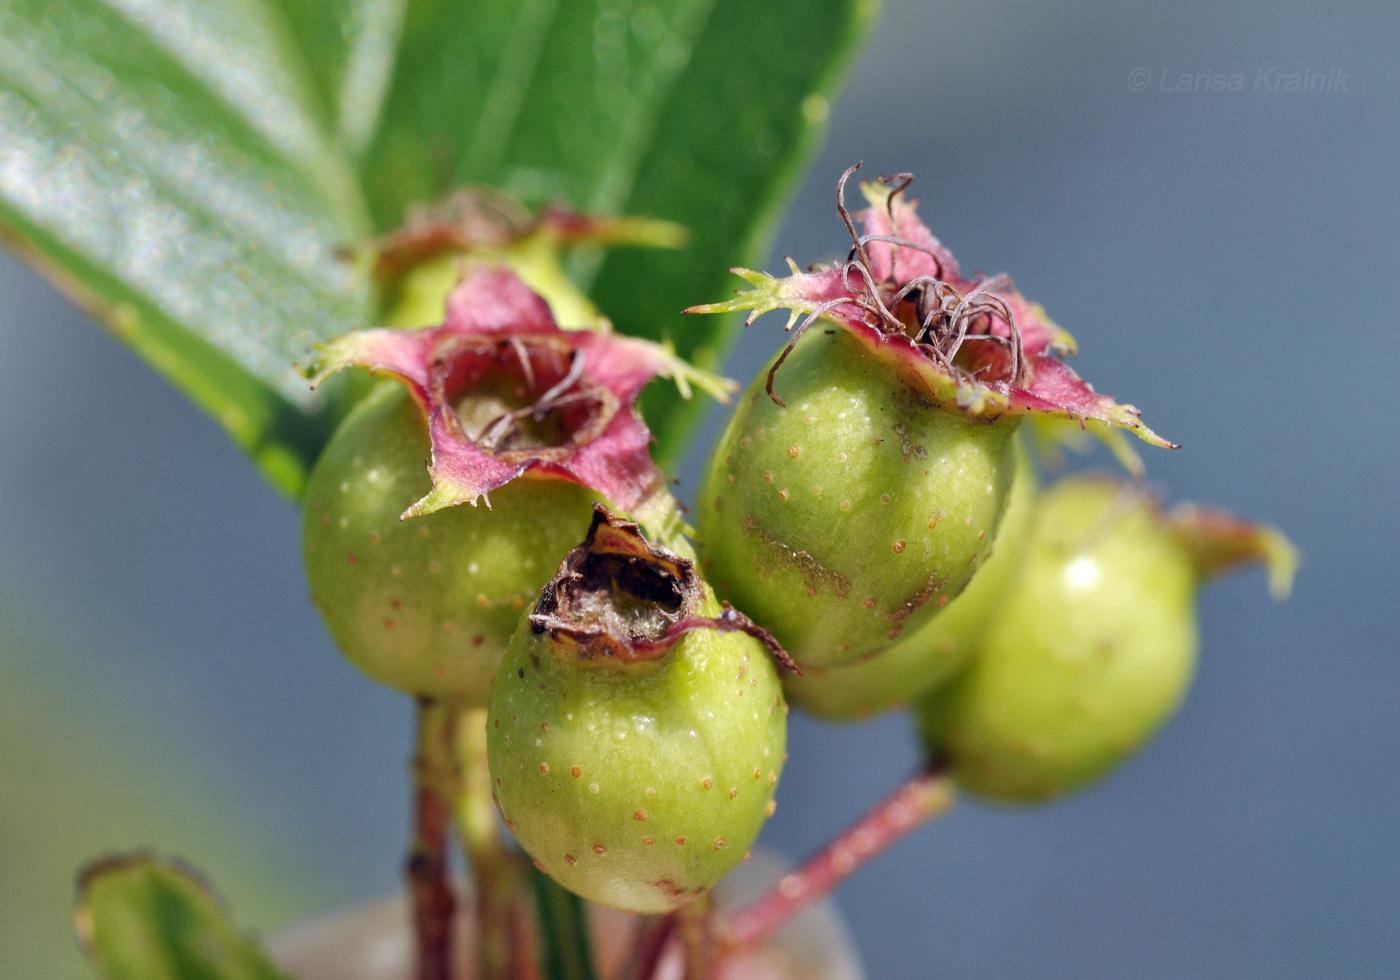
x: 773, y: 778
x: 981, y: 535
x: 651, y: 793
x: 707, y: 782
x: 767, y: 476
x: 733, y: 794
x: 682, y: 840
x: 352, y: 559
x: 845, y: 505
x: 544, y: 726
x: 719, y: 842
x: 744, y: 443
x: 869, y: 602
x: 814, y: 575
x: 477, y: 640
x: 900, y: 614
x: 884, y: 498
x: 718, y: 502
x: 388, y: 624
x: 794, y: 452
x: 648, y: 841
x: 434, y: 567
x: 570, y: 859
x: 592, y: 787
x: 816, y: 491
x: 576, y: 772
x: 898, y: 546
x: 772, y: 807
x: 544, y: 767
x: 782, y: 495
x: 757, y: 772
x: 496, y: 724
x: 639, y: 815
x: 599, y: 849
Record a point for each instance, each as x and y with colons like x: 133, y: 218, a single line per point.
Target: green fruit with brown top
x: 425, y: 605
x: 1093, y: 647
x: 846, y: 519
x: 636, y: 733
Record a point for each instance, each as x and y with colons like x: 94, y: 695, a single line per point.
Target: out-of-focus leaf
x: 171, y: 165
x: 187, y: 171
x: 350, y: 48
x: 143, y: 919
x: 727, y: 174
x: 699, y: 111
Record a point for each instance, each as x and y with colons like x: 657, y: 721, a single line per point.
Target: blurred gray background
x: 1228, y: 262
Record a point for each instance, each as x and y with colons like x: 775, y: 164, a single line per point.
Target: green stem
x: 430, y: 886
x: 495, y: 868
x: 565, y: 949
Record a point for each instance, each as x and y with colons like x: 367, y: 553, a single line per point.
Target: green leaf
x: 699, y: 111
x: 189, y: 172
x: 728, y: 176
x: 143, y: 919
x: 171, y: 166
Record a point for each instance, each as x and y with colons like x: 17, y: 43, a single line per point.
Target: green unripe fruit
x: 848, y: 518
x: 920, y: 662
x: 425, y: 605
x: 635, y: 738
x: 1093, y: 648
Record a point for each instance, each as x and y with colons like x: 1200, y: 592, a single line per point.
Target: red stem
x: 434, y: 903
x: 926, y: 795
x: 653, y: 934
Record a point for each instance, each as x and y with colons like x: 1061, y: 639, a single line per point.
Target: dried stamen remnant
x: 617, y: 595
x: 526, y: 398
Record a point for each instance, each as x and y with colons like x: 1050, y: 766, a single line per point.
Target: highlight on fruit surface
x: 636, y: 728
x: 1093, y: 646
x: 504, y: 403
x: 859, y: 487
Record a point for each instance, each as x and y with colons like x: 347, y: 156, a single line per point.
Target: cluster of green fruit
x: 879, y: 524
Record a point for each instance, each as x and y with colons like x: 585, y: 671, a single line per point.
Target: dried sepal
x: 976, y: 344
x: 484, y: 219
x: 1219, y: 542
x: 506, y: 392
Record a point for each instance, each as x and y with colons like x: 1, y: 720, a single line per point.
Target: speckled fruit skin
x: 1089, y: 655
x: 638, y: 786
x: 853, y: 515
x: 425, y: 605
x: 921, y: 662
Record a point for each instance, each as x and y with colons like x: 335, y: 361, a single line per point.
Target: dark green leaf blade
x: 168, y: 164
x: 726, y: 175
x: 700, y: 111
x: 350, y: 47
x: 143, y: 919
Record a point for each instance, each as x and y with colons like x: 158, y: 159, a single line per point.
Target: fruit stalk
x: 927, y: 794
x: 495, y: 870
x: 653, y: 935
x: 434, y: 904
